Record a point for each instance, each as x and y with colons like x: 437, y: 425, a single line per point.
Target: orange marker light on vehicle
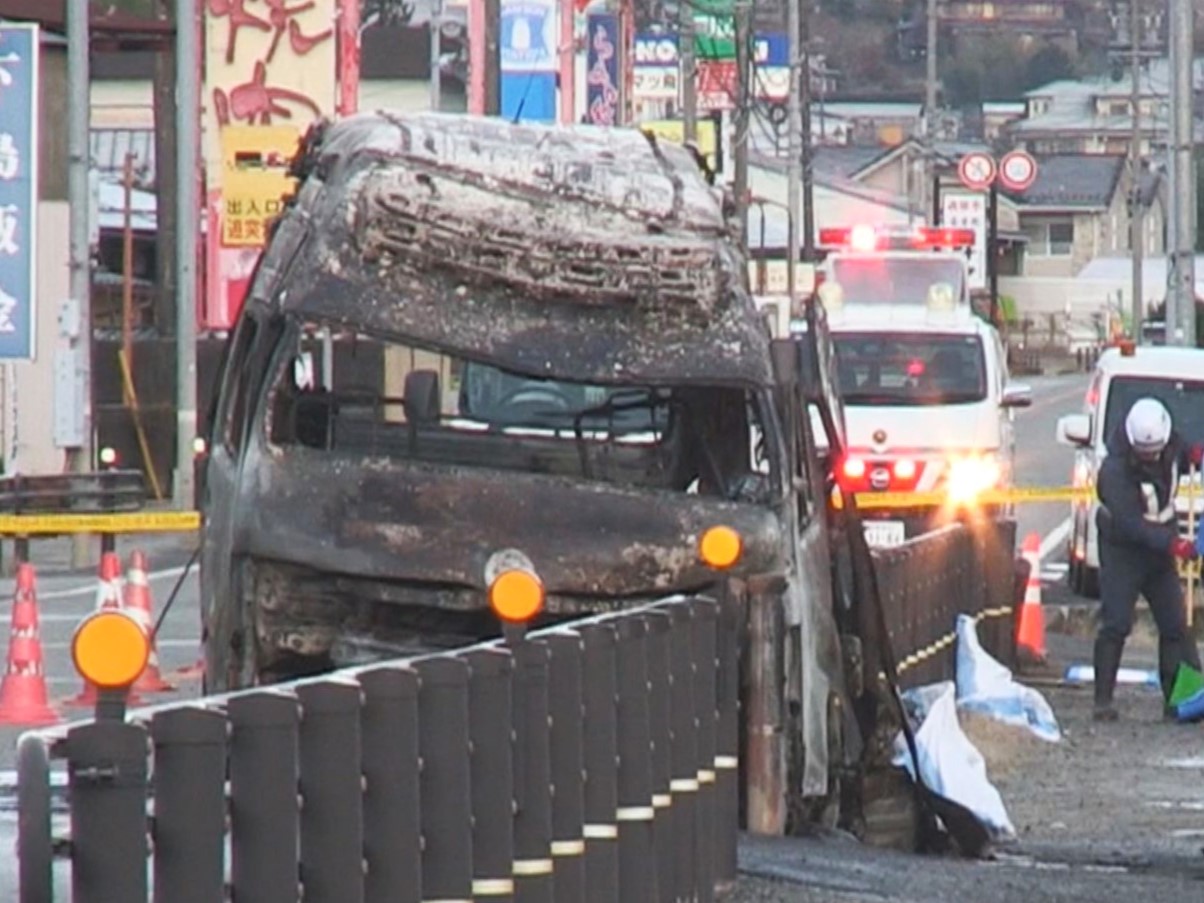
x: 110, y: 649
x: 516, y: 596
x: 720, y: 547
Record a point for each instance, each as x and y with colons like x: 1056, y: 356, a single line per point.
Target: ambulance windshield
x: 896, y: 280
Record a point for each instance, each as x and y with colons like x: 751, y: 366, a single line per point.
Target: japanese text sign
x: 961, y: 210
x: 18, y: 189
x: 255, y: 181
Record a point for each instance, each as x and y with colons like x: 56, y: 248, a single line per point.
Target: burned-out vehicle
x: 470, y: 343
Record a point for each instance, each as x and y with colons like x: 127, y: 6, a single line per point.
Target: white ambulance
x: 927, y: 399
x: 1175, y: 376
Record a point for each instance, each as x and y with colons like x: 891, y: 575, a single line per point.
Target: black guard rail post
x: 727, y: 740
x: 684, y: 752
x: 568, y: 766
x: 659, y: 626
x: 491, y: 672
x: 189, y: 785
x: 601, y: 753
x: 34, y: 845
x: 392, y: 826
x: 107, y: 780
x: 533, y: 774
x: 637, y: 848
x: 703, y: 654
x: 331, y: 787
x: 447, y: 854
x: 264, y: 816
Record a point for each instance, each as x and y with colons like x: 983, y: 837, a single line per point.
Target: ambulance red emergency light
x: 923, y: 379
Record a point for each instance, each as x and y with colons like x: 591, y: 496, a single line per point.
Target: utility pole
x: 930, y: 112
x: 805, y: 145
x: 689, y: 82
x: 744, y: 92
x: 188, y: 130
x: 1181, y: 298
x: 493, y: 60
x: 436, y: 54
x: 80, y: 254
x: 1136, y: 217
x: 794, y: 160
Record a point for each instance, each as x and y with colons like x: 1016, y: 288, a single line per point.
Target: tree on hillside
x: 1049, y: 64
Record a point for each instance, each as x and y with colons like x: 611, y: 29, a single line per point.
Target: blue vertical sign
x: 529, y: 59
x: 602, y: 69
x: 18, y: 188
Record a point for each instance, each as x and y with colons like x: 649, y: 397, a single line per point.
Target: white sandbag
x: 985, y: 685
x: 951, y: 766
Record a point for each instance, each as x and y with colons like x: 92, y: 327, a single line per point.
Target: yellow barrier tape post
x: 133, y: 522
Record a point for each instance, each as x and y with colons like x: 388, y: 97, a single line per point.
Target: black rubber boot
x: 1107, y: 663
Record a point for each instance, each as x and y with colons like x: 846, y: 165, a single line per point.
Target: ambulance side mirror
x: 1074, y: 429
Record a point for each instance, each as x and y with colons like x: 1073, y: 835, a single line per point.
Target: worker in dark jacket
x: 1139, y: 545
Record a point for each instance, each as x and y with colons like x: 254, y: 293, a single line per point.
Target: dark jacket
x: 1122, y: 516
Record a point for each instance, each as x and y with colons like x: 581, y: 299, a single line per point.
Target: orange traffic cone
x: 23, y: 698
x: 138, y: 605
x: 1030, y: 633
x: 108, y: 595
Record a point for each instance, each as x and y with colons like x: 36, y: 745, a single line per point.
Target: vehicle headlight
x: 969, y: 477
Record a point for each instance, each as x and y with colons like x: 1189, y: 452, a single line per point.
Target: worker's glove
x: 1183, y: 549
x: 1196, y: 454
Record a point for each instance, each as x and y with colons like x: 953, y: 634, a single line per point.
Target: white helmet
x: 1148, y: 426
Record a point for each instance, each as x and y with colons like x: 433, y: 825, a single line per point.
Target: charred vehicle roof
x: 583, y: 253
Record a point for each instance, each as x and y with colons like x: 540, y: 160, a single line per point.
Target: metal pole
x: 794, y: 159
x: 806, y: 147
x: 1136, y: 219
x: 993, y: 251
x: 78, y: 79
x: 1183, y: 326
x: 127, y: 274
x: 188, y: 122
x: 930, y: 102
x: 689, y: 82
x: 436, y: 72
x: 493, y: 60
x: 744, y: 85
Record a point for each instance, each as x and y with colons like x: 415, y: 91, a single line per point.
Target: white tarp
x: 951, y: 765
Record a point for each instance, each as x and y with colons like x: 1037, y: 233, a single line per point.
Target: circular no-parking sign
x: 1017, y: 170
x: 976, y: 171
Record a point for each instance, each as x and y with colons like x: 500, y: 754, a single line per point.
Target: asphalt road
x: 65, y: 598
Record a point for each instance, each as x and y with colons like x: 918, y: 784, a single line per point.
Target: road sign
x: 1017, y: 170
x: 976, y: 171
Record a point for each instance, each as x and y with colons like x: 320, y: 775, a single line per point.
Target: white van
x: 927, y: 400
x: 1175, y: 376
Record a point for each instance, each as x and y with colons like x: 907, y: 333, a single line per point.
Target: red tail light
x: 854, y: 468
x: 905, y: 469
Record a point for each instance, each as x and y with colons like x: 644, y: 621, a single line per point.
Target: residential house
x: 1094, y: 116
x: 1077, y: 210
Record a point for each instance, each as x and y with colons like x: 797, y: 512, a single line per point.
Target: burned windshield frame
x: 636, y: 436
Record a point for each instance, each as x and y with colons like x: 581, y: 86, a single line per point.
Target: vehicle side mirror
x: 422, y: 403
x: 1074, y: 429
x: 1017, y: 396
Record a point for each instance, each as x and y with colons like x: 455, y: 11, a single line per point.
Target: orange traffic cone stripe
x: 23, y: 696
x: 138, y: 605
x: 1030, y: 633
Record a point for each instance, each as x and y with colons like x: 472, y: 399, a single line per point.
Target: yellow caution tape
x: 133, y: 522
x: 1016, y: 495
